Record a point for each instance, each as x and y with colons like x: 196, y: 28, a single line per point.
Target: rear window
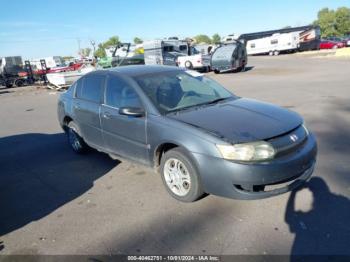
x: 90, y: 88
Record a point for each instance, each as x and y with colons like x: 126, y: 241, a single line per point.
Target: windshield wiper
x: 197, y: 105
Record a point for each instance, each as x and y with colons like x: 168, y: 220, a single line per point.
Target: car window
x: 90, y: 88
x: 120, y: 94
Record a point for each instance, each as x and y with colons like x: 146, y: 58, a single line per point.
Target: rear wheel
x: 75, y: 141
x: 180, y: 176
x: 188, y: 65
x: 271, y: 53
x: 19, y: 82
x: 216, y: 71
x: 276, y: 52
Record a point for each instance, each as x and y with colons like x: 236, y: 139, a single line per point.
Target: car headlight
x: 254, y: 151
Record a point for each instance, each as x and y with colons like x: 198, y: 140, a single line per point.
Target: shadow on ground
x: 40, y: 173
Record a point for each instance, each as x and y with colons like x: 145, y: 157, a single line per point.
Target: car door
x: 86, y: 108
x: 123, y: 135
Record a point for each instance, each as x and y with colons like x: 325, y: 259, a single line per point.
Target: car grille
x: 289, y: 142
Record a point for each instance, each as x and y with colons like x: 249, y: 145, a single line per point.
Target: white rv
x: 199, y: 58
x: 51, y: 62
x: 274, y: 45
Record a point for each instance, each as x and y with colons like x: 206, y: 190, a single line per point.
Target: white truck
x: 199, y: 58
x: 51, y: 62
x: 274, y: 45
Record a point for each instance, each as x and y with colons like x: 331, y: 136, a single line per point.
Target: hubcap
x: 177, y: 177
x: 73, y: 139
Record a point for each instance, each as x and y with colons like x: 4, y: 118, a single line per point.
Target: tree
x: 216, y: 38
x: 111, y: 42
x: 342, y: 20
x: 202, y: 39
x: 138, y: 41
x: 333, y: 23
x: 100, y: 52
x: 85, y: 52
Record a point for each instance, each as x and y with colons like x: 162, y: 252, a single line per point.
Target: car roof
x: 137, y: 70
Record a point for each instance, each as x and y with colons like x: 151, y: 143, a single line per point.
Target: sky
x: 40, y: 28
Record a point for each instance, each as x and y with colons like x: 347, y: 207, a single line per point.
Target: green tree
x: 333, y: 23
x: 216, y: 38
x: 100, y: 52
x: 202, y: 39
x: 111, y: 42
x: 138, y: 41
x: 342, y: 20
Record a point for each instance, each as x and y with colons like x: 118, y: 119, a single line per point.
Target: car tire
x: 216, y: 71
x: 19, y: 82
x: 183, y: 182
x: 188, y: 65
x: 76, y: 142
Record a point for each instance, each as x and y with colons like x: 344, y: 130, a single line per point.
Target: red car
x: 327, y: 44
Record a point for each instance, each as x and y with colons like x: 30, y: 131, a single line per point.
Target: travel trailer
x: 274, y: 45
x: 164, y: 52
x: 309, y: 36
x: 229, y: 57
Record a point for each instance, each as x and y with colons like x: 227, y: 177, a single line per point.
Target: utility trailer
x: 164, y: 52
x: 274, y: 45
x: 229, y: 57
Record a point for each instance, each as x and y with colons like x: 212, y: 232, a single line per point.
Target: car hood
x: 241, y: 120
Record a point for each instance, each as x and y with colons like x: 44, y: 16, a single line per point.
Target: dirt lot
x: 55, y: 202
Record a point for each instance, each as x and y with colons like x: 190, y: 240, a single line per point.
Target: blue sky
x: 39, y: 28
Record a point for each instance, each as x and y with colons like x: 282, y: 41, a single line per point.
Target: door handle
x: 107, y: 115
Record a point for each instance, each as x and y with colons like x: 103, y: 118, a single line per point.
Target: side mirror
x: 132, y: 111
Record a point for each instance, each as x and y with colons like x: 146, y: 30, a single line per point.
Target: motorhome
x: 274, y: 45
x: 229, y: 57
x: 164, y: 52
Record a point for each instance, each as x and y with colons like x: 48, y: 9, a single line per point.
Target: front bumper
x: 251, y: 181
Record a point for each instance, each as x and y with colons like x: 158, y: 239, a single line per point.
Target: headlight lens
x: 255, y: 151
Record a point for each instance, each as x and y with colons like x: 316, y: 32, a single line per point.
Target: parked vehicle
x: 164, y: 52
x: 229, y: 57
x: 274, y: 45
x: 200, y: 137
x: 338, y: 40
x: 309, y: 38
x: 51, y: 62
x: 121, y: 55
x: 198, y: 58
x: 12, y: 71
x: 327, y: 44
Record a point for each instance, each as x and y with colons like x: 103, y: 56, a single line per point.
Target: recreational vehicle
x: 199, y: 58
x: 229, y: 57
x: 164, y: 52
x: 274, y: 45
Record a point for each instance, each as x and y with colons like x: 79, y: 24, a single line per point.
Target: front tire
x: 75, y: 140
x: 188, y: 65
x: 180, y: 176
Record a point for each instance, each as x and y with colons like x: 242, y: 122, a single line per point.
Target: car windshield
x: 179, y: 90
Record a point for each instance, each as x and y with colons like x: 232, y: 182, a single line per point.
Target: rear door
x: 123, y: 135
x: 86, y: 107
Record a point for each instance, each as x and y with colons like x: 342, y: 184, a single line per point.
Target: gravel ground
x: 55, y: 202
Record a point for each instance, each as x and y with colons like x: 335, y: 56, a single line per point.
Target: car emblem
x: 293, y: 137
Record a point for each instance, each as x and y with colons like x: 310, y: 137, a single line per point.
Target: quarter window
x: 120, y: 94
